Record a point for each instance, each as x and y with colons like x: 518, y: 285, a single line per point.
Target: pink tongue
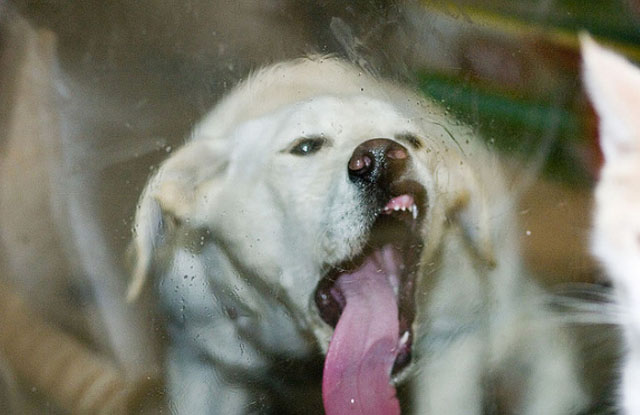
x: 357, y: 370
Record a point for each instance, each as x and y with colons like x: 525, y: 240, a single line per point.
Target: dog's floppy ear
x: 613, y: 84
x: 174, y: 193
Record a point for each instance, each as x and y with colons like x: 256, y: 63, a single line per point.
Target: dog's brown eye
x: 306, y: 146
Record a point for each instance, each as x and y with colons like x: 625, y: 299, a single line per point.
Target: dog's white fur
x: 614, y: 87
x: 239, y: 232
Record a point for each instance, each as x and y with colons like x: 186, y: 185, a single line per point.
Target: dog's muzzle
x: 369, y: 298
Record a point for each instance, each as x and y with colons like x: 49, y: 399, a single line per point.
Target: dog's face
x: 331, y: 201
x: 298, y: 161
x: 317, y: 186
x: 309, y: 191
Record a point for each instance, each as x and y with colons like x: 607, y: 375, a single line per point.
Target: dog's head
x: 313, y: 170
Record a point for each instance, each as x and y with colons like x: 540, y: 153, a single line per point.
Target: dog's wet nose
x: 377, y: 161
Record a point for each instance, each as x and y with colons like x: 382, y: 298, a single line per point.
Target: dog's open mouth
x: 370, y: 302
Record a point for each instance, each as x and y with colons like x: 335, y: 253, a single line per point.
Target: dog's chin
x: 392, y: 248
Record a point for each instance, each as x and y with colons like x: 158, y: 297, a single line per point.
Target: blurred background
x: 94, y: 94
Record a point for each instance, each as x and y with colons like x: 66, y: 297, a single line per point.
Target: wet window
x: 287, y: 206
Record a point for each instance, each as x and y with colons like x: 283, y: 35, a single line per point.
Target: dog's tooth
x: 403, y: 340
x: 414, y: 211
x: 396, y: 208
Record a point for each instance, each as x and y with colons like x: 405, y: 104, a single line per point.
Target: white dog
x: 319, y: 210
x: 614, y: 87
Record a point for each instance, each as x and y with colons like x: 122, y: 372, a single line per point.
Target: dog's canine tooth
x: 414, y: 211
x: 403, y: 340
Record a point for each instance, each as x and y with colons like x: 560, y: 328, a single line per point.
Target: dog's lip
x: 403, y: 211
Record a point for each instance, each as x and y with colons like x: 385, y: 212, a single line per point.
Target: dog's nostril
x: 397, y: 153
x: 359, y: 163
